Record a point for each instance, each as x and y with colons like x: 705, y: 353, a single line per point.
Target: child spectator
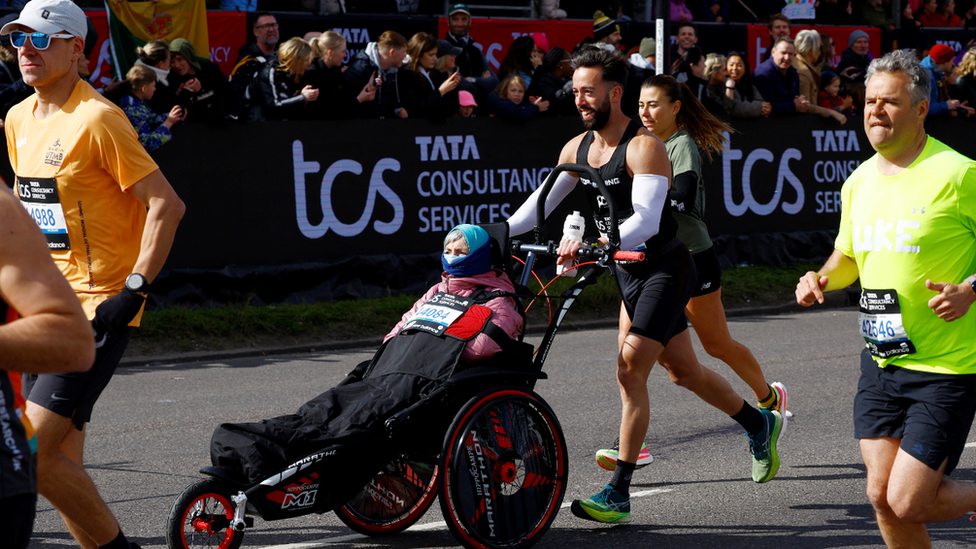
x: 829, y: 95
x: 508, y: 100
x: 468, y: 104
x: 153, y: 129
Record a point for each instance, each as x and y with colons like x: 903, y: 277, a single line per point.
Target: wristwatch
x: 972, y: 283
x: 137, y: 283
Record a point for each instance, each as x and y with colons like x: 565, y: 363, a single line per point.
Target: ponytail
x: 706, y: 130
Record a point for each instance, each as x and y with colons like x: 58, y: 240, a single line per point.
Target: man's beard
x: 600, y: 117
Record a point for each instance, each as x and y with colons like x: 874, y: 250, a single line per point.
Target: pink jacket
x: 504, y: 313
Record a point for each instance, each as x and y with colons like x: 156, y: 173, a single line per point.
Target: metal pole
x: 662, y: 14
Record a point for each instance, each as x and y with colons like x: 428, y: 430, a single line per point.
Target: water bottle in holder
x: 572, y: 230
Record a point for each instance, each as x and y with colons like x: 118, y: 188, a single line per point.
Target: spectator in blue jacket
x: 778, y: 81
x: 508, y: 101
x: 153, y: 128
x: 938, y: 63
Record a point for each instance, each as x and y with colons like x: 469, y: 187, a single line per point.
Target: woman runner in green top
x: 671, y: 112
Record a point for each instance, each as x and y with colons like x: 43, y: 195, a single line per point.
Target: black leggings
x: 17, y: 520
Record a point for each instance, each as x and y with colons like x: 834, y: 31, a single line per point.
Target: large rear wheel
x: 504, y: 469
x: 200, y: 518
x: 394, y: 499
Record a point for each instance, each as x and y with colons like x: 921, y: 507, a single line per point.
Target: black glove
x: 116, y: 313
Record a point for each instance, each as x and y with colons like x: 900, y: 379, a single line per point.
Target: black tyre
x: 394, y: 500
x: 503, y: 470
x: 201, y: 517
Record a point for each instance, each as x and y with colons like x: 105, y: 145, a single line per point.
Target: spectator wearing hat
x: 553, y: 82
x: 201, y: 87
x: 715, y: 10
x: 426, y: 92
x: 829, y: 95
x: 855, y: 59
x: 646, y: 55
x: 937, y: 64
x: 606, y: 30
x: 478, y: 78
x: 467, y: 105
x: 680, y: 11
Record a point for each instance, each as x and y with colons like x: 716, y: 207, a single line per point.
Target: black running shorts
x: 930, y: 413
x: 655, y: 292
x: 17, y: 520
x: 74, y: 394
x: 709, y: 273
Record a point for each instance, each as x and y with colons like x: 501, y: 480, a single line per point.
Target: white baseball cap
x: 51, y: 17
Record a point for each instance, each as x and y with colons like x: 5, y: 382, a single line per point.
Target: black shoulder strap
x: 511, y: 348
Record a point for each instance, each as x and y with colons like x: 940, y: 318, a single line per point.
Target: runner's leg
x: 685, y: 370
x: 879, y: 457
x: 64, y: 482
x: 707, y: 315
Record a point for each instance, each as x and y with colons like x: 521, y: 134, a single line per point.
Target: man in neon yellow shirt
x: 908, y: 231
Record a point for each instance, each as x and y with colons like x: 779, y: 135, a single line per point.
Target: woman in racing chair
x: 468, y: 317
x: 467, y: 268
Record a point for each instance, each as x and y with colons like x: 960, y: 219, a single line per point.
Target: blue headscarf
x: 478, y: 260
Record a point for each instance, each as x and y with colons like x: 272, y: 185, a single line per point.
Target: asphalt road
x: 151, y: 430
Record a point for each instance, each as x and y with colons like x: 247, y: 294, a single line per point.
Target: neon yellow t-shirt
x: 917, y: 225
x: 73, y: 170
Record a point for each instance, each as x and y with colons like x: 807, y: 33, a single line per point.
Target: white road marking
x: 971, y: 445
x: 439, y: 525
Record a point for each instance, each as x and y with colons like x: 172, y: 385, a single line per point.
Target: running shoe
x: 607, y: 458
x: 780, y: 404
x: 608, y: 506
x: 765, y: 457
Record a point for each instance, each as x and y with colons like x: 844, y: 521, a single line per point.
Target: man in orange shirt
x: 109, y: 216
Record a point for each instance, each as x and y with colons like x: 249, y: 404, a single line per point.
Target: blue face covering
x: 478, y: 260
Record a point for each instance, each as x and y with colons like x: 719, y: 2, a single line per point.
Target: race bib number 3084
x: 881, y: 324
x: 40, y: 197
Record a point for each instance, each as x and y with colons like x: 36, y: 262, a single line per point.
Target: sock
x: 770, y: 400
x: 749, y: 418
x: 621, y: 477
x: 118, y: 543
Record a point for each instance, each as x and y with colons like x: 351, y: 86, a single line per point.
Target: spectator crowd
x: 424, y: 76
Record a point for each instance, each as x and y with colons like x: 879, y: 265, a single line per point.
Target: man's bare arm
x: 165, y: 212
x: 840, y: 271
x: 53, y: 334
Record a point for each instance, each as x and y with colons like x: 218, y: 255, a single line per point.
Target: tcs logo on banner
x: 377, y: 189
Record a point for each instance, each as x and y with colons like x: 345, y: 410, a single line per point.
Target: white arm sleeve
x: 648, y: 197
x: 523, y: 219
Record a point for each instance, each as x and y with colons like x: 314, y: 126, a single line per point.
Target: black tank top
x: 621, y: 184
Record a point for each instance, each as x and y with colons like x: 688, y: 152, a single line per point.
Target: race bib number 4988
x: 40, y: 197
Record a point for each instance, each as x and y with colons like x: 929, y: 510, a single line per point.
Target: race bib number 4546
x: 881, y: 324
x: 40, y: 197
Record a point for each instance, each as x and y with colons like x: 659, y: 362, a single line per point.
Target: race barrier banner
x: 301, y: 210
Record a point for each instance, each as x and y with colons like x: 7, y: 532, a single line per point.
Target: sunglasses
x: 39, y: 40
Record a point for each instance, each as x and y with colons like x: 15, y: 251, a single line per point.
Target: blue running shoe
x: 765, y: 458
x: 608, y: 506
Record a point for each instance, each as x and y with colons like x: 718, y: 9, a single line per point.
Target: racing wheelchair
x: 482, y: 440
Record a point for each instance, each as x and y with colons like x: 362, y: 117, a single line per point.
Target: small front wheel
x: 201, y: 517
